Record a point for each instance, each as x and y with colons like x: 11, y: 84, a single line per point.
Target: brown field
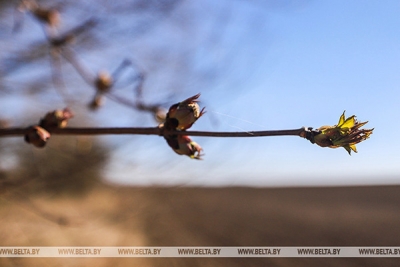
x: 112, y: 216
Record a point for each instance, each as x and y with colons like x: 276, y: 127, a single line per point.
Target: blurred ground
x: 113, y: 216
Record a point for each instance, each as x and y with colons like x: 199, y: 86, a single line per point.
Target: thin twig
x: 9, y: 132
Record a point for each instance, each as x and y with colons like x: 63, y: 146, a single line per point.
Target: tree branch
x: 9, y: 132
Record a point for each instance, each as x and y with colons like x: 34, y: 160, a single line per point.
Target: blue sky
x: 293, y: 66
x: 265, y: 66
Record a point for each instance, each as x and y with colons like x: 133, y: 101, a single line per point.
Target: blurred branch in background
x: 70, y: 165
